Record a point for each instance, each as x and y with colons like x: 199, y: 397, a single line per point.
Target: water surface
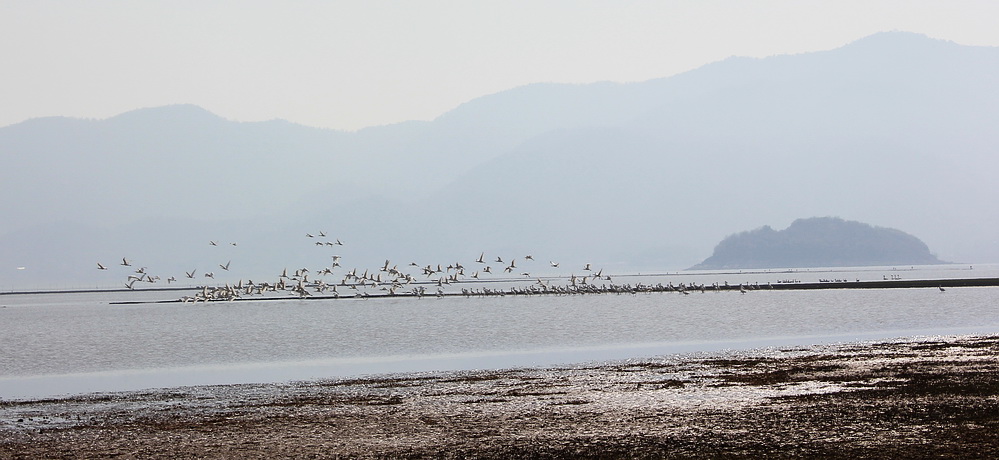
x: 70, y: 343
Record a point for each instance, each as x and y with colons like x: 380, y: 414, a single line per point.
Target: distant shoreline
x: 877, y: 284
x: 98, y: 290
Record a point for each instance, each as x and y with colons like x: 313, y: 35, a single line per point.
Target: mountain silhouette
x: 895, y: 128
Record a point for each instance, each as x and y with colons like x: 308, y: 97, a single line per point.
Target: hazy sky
x: 351, y: 64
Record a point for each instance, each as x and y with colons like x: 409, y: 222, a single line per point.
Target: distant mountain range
x: 895, y: 128
x: 819, y: 242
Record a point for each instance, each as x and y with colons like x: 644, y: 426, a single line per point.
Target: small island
x: 819, y: 242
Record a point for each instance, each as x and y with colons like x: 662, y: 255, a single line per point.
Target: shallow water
x: 71, y: 343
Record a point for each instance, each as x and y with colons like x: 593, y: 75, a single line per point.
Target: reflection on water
x: 65, y: 343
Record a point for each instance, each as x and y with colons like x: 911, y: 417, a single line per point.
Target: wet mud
x: 913, y: 398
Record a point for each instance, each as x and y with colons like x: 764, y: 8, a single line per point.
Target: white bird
x: 587, y: 267
x: 553, y: 264
x: 226, y: 266
x: 338, y: 242
x: 124, y: 262
x: 190, y: 274
x: 210, y: 275
x: 101, y: 267
x: 212, y: 243
x: 481, y: 259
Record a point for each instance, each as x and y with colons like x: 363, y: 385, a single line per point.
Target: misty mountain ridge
x: 819, y: 242
x: 895, y: 128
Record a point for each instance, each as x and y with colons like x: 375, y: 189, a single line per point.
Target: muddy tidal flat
x: 911, y: 398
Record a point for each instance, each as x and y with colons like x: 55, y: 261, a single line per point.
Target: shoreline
x: 71, y: 385
x: 935, y: 396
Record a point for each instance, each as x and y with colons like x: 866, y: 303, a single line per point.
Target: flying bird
x: 101, y: 267
x: 124, y: 262
x: 226, y: 266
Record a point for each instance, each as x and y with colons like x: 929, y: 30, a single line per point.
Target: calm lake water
x: 54, y: 344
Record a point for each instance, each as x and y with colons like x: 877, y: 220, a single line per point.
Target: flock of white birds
x: 413, y: 279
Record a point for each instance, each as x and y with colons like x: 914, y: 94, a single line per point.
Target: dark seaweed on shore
x: 936, y: 398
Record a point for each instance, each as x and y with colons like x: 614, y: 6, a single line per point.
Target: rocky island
x: 819, y: 242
